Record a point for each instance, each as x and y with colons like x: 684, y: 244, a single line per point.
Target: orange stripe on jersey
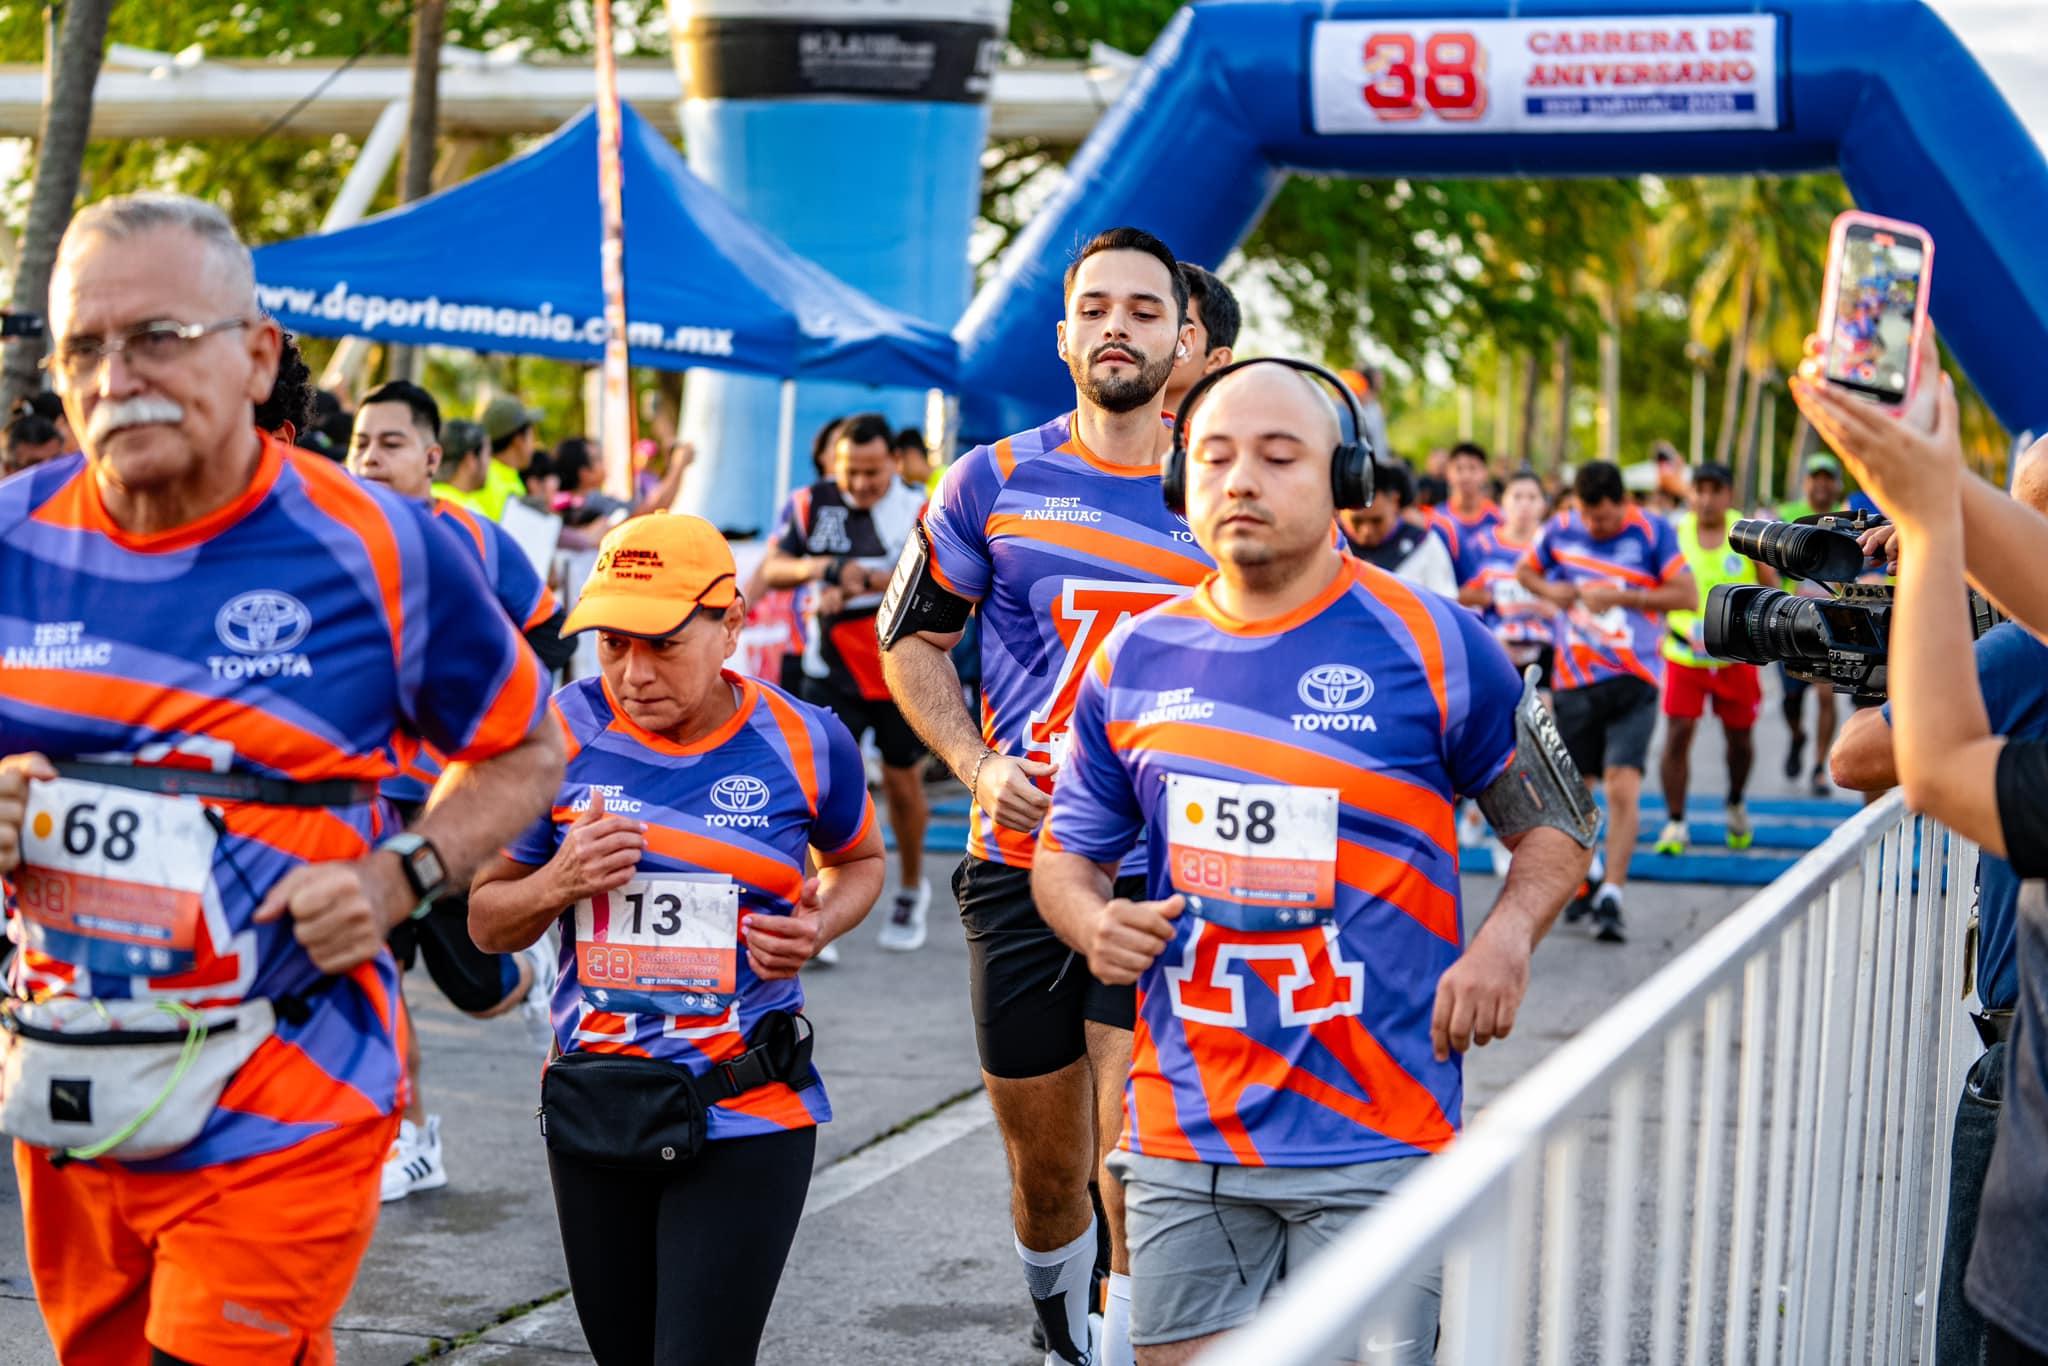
x: 1401, y: 886
x: 1006, y: 458
x: 867, y: 825
x: 795, y: 734
x: 329, y: 488
x: 79, y: 505
x: 1402, y: 1107
x: 1151, y: 1106
x: 510, y: 718
x: 1398, y: 598
x: 1255, y: 1067
x: 1104, y: 545
x: 1605, y: 568
x: 173, y: 711
x: 776, y: 1103
x: 310, y: 835
x: 279, y: 1079
x: 542, y: 609
x: 777, y: 879
x: 466, y: 519
x: 571, y: 746
x: 1417, y: 806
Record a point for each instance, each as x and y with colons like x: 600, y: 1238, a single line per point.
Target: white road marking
x: 844, y: 1180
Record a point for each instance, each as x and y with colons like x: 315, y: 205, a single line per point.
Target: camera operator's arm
x: 1947, y: 757
x: 1862, y: 757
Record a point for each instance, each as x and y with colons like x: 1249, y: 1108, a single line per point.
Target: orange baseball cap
x: 652, y: 575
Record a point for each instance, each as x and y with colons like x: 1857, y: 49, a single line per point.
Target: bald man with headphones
x: 1288, y: 742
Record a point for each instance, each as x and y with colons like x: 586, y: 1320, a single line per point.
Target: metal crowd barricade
x: 1795, y: 1218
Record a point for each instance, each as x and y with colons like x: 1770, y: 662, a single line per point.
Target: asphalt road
x: 905, y: 1252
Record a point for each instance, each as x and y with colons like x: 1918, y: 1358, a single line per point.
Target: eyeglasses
x: 151, y: 348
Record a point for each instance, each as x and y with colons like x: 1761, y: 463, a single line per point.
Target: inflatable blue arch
x: 1236, y: 94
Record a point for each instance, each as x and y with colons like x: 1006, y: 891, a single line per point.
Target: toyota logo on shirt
x: 1335, y: 687
x: 1335, y: 692
x: 740, y: 800
x: 263, y: 622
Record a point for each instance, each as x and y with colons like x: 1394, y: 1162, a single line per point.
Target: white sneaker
x: 1503, y: 857
x: 903, y: 931
x: 414, y: 1163
x: 536, y: 1009
x: 1471, y: 827
x: 827, y: 957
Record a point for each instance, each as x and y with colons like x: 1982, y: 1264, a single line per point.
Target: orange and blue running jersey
x: 656, y: 969
x: 1057, y: 546
x: 523, y: 594
x: 1465, y: 534
x: 1514, y: 614
x: 1620, y: 642
x: 314, y: 629
x: 1295, y: 779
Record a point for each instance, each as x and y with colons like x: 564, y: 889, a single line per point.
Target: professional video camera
x: 1839, y: 641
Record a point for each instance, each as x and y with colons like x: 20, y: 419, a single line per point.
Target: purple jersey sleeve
x: 537, y: 843
x: 791, y: 532
x: 515, y: 582
x: 1481, y: 736
x: 844, y: 808
x: 957, y: 523
x: 1541, y: 553
x: 1095, y: 811
x: 1664, y: 551
x: 474, y: 688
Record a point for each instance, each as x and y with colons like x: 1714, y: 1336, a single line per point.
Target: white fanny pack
x: 121, y: 1079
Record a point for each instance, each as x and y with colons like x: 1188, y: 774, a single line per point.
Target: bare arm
x: 1119, y: 938
x: 921, y: 677
x: 1679, y: 593
x: 831, y: 904
x: 1946, y: 756
x: 1862, y: 757
x: 783, y: 570
x: 1478, y: 997
x: 2003, y: 541
x: 477, y: 807
x: 1533, y: 579
x: 511, y: 904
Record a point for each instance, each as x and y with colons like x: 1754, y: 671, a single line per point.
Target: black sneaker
x: 1607, y: 917
x: 1795, y: 758
x: 1580, y: 905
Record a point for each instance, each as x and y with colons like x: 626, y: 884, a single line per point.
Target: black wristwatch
x: 424, y: 871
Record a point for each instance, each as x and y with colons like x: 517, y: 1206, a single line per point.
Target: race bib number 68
x: 1253, y: 856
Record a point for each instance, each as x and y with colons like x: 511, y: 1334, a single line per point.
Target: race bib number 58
x: 663, y: 945
x: 1253, y: 856
x: 111, y: 879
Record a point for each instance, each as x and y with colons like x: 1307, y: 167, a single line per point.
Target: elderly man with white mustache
x: 213, y: 647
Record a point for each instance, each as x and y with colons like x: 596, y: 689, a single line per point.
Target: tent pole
x: 785, y: 445
x: 616, y: 440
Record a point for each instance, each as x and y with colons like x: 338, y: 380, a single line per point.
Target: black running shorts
x: 1032, y: 994
x: 1607, y: 724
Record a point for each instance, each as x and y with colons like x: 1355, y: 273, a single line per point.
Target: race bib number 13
x: 1253, y: 856
x: 663, y: 945
x: 111, y: 879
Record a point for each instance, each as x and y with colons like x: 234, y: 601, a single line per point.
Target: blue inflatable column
x: 853, y: 130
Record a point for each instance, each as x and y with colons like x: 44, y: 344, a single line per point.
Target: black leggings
x: 680, y: 1268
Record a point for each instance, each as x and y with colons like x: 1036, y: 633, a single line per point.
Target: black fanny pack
x: 646, y: 1114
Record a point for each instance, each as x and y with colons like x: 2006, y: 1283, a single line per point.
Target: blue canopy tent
x: 508, y: 262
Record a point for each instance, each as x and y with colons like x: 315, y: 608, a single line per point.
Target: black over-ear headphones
x: 1350, y: 462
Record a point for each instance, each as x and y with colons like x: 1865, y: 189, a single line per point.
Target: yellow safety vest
x: 1683, y: 641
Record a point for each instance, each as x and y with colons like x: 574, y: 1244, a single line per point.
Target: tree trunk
x: 1745, y: 458
x: 60, y: 154
x: 1610, y: 377
x: 422, y: 128
x: 1738, y: 351
x: 1532, y: 376
x: 1561, y: 377
x: 1503, y: 404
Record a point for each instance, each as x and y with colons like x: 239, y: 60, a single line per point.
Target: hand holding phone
x: 1873, y: 312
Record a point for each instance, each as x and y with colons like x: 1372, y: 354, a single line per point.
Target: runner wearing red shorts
x: 1693, y: 678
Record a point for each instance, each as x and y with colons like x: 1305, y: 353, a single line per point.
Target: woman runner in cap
x: 681, y: 1110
